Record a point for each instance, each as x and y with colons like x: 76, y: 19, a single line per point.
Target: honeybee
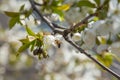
x: 58, y: 42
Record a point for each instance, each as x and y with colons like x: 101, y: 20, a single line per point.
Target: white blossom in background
x: 115, y: 48
x: 14, y: 35
x: 20, y: 65
x: 116, y: 27
x: 4, y: 54
x: 12, y: 5
x: 73, y: 15
x: 104, y: 29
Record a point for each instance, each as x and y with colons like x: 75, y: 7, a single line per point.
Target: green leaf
x: 12, y: 14
x: 64, y: 7
x: 106, y: 2
x: 29, y: 31
x: 24, y: 41
x: 33, y: 45
x: 23, y: 47
x: 97, y: 2
x: 22, y: 7
x: 39, y: 42
x: 106, y: 58
x: 60, y: 13
x: 102, y: 14
x: 56, y: 2
x: 86, y: 3
x: 13, y: 21
x: 27, y: 13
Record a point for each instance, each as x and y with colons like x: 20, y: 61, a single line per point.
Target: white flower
x: 103, y: 27
x: 30, y: 22
x: 102, y: 48
x: 115, y: 48
x: 89, y: 38
x: 48, y: 40
x: 58, y: 37
x: 54, y: 17
x: 76, y: 37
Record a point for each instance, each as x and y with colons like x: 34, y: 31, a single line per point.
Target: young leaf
x: 33, y: 45
x: 24, y: 47
x: 97, y: 2
x: 60, y: 13
x: 27, y: 13
x: 95, y: 19
x: 22, y: 7
x: 64, y: 7
x: 29, y: 31
x: 13, y: 21
x: 106, y: 58
x: 86, y: 3
x: 12, y: 14
x: 24, y: 41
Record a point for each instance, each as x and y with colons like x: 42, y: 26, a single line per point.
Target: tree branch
x: 67, y: 31
x: 92, y: 58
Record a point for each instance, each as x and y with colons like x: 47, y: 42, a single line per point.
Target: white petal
x: 89, y: 38
x: 76, y: 37
x: 102, y: 48
x: 48, y: 40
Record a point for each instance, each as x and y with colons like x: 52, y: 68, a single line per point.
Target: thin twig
x: 57, y: 26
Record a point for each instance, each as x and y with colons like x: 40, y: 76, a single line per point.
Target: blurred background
x: 64, y: 63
